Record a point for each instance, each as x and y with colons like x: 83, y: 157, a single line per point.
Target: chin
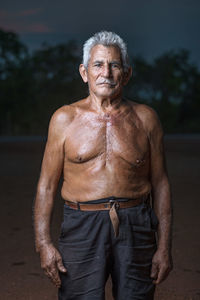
x: 107, y: 92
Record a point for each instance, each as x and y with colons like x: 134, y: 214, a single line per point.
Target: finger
x: 50, y: 271
x: 47, y: 274
x: 52, y: 274
x: 47, y: 271
x: 154, y: 271
x: 56, y: 279
x: 60, y: 266
x: 161, y: 275
x: 56, y: 282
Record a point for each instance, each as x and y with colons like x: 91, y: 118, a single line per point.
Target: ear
x: 127, y: 76
x: 83, y: 73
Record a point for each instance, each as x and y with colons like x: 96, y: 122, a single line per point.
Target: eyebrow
x: 111, y: 62
x: 97, y: 61
x: 116, y: 62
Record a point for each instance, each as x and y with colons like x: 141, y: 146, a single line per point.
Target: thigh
x: 133, y: 252
x: 83, y: 249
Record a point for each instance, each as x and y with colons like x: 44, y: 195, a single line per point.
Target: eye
x: 98, y: 65
x: 115, y: 66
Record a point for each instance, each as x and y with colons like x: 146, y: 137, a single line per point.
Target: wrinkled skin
x: 106, y: 146
x: 51, y: 263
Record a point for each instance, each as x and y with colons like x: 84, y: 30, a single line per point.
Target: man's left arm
x: 162, y: 260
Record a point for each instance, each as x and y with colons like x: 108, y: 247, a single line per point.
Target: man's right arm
x: 52, y: 166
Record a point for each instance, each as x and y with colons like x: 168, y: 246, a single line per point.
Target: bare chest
x: 109, y: 137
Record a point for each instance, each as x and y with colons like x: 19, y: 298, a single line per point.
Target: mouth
x: 107, y: 84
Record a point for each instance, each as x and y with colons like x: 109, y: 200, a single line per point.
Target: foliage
x: 171, y: 85
x: 33, y: 86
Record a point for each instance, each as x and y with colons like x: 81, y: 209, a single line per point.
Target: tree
x: 14, y: 87
x: 33, y: 86
x: 171, y: 85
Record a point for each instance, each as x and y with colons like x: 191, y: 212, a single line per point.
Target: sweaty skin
x: 105, y: 146
x: 105, y: 154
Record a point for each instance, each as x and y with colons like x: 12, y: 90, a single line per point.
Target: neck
x: 105, y: 104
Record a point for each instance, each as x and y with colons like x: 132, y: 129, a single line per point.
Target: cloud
x: 17, y: 21
x: 4, y: 14
x: 28, y: 12
x: 27, y: 28
x: 38, y: 27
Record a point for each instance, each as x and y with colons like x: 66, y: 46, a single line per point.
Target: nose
x: 106, y: 71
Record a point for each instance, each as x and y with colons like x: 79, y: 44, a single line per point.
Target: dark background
x: 40, y: 50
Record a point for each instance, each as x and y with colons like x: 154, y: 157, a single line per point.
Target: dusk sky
x: 149, y: 27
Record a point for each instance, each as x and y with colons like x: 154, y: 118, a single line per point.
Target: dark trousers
x: 90, y: 252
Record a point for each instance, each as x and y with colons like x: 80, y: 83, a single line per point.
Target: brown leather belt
x: 112, y: 205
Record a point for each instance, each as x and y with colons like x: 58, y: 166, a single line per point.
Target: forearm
x: 162, y: 259
x: 163, y: 210
x: 51, y: 261
x: 164, y: 232
x: 42, y: 218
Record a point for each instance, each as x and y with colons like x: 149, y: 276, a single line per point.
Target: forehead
x: 105, y: 53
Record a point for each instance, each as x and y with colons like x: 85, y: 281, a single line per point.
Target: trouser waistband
x: 113, y: 204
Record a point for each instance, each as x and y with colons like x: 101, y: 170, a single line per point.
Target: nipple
x: 79, y: 158
x: 140, y: 161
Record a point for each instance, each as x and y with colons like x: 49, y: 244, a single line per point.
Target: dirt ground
x: 21, y: 277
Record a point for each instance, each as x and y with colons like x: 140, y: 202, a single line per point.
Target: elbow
x: 161, y: 184
x: 45, y: 189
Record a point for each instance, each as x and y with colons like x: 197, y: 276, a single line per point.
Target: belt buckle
x: 115, y: 203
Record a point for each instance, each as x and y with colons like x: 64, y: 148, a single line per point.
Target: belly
x: 101, y: 178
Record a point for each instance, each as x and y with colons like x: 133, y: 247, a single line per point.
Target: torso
x: 105, y: 155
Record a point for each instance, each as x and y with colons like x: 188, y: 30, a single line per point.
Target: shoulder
x: 60, y: 121
x: 66, y: 114
x: 148, y: 117
x: 62, y: 116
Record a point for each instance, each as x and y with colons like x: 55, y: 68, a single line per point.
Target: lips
x: 107, y: 83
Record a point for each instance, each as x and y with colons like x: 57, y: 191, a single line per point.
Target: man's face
x: 105, y: 75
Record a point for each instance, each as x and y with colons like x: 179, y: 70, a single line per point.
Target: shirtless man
x: 111, y: 153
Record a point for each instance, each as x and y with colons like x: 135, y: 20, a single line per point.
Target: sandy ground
x: 21, y: 277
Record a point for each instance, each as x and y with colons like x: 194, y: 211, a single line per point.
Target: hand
x: 161, y: 266
x: 51, y: 263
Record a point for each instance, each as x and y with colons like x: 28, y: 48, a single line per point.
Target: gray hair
x: 106, y: 38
